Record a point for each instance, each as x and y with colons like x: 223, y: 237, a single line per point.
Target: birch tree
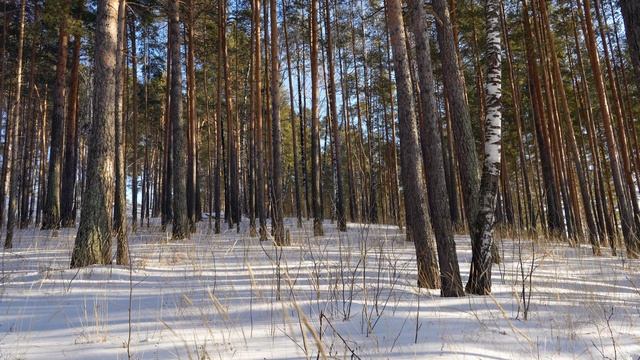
x: 482, y: 236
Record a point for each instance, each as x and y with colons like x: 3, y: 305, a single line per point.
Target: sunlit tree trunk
x: 15, y: 119
x: 70, y: 164
x: 315, y: 126
x: 410, y: 164
x: 331, y: 88
x: 463, y: 134
x: 276, y: 166
x: 626, y: 215
x: 51, y: 211
x: 294, y: 143
x: 179, y: 142
x: 120, y: 205
x: 433, y: 160
x: 93, y: 241
x: 482, y: 238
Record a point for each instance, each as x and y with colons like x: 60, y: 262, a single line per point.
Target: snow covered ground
x: 351, y: 295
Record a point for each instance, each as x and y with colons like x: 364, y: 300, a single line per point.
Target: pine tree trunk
x: 192, y: 135
x: 276, y: 132
x: 7, y: 124
x: 120, y: 205
x: 629, y: 230
x: 462, y: 131
x: 70, y: 164
x: 51, y: 215
x: 219, y: 123
x: 93, y: 241
x: 433, y: 160
x: 516, y: 100
x: 179, y: 142
x: 12, y: 150
x: 29, y: 132
x: 232, y: 140
x: 572, y: 144
x: 410, y: 165
x: 331, y: 89
x: 294, y: 143
x: 134, y: 125
x: 259, y: 142
x: 167, y: 178
x: 315, y: 126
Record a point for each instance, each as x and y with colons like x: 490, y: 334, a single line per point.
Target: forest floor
x: 351, y: 295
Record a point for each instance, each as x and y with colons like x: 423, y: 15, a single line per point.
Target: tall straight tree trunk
x: 167, y: 178
x: 433, y: 160
x: 29, y: 132
x: 232, y: 141
x: 315, y: 125
x: 516, y: 100
x: 192, y: 121
x: 462, y: 131
x: 554, y: 217
x: 482, y: 238
x: 134, y: 125
x: 43, y: 162
x: 619, y: 116
x: 251, y: 174
x: 146, y: 171
x: 179, y: 142
x: 3, y: 103
x: 259, y: 142
x: 347, y: 129
x: 410, y: 163
x: 51, y: 215
x: 12, y: 151
x: 294, y: 144
x: 70, y: 164
x: 219, y: 147
x: 572, y: 143
x: 120, y: 204
x: 276, y: 132
x: 629, y: 230
x: 93, y: 241
x: 331, y: 89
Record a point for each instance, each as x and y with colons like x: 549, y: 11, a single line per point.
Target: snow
x: 216, y: 296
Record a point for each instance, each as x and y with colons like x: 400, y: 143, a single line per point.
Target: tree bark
x: 70, y: 164
x: 12, y: 151
x: 315, y: 126
x: 93, y: 241
x: 410, y: 164
x: 294, y: 144
x: 134, y: 125
x: 120, y: 204
x: 331, y: 89
x: 51, y: 211
x: 629, y: 230
x: 462, y: 130
x: 276, y: 132
x: 433, y: 160
x: 482, y: 238
x: 179, y: 144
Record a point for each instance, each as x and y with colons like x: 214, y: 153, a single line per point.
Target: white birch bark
x: 482, y: 238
